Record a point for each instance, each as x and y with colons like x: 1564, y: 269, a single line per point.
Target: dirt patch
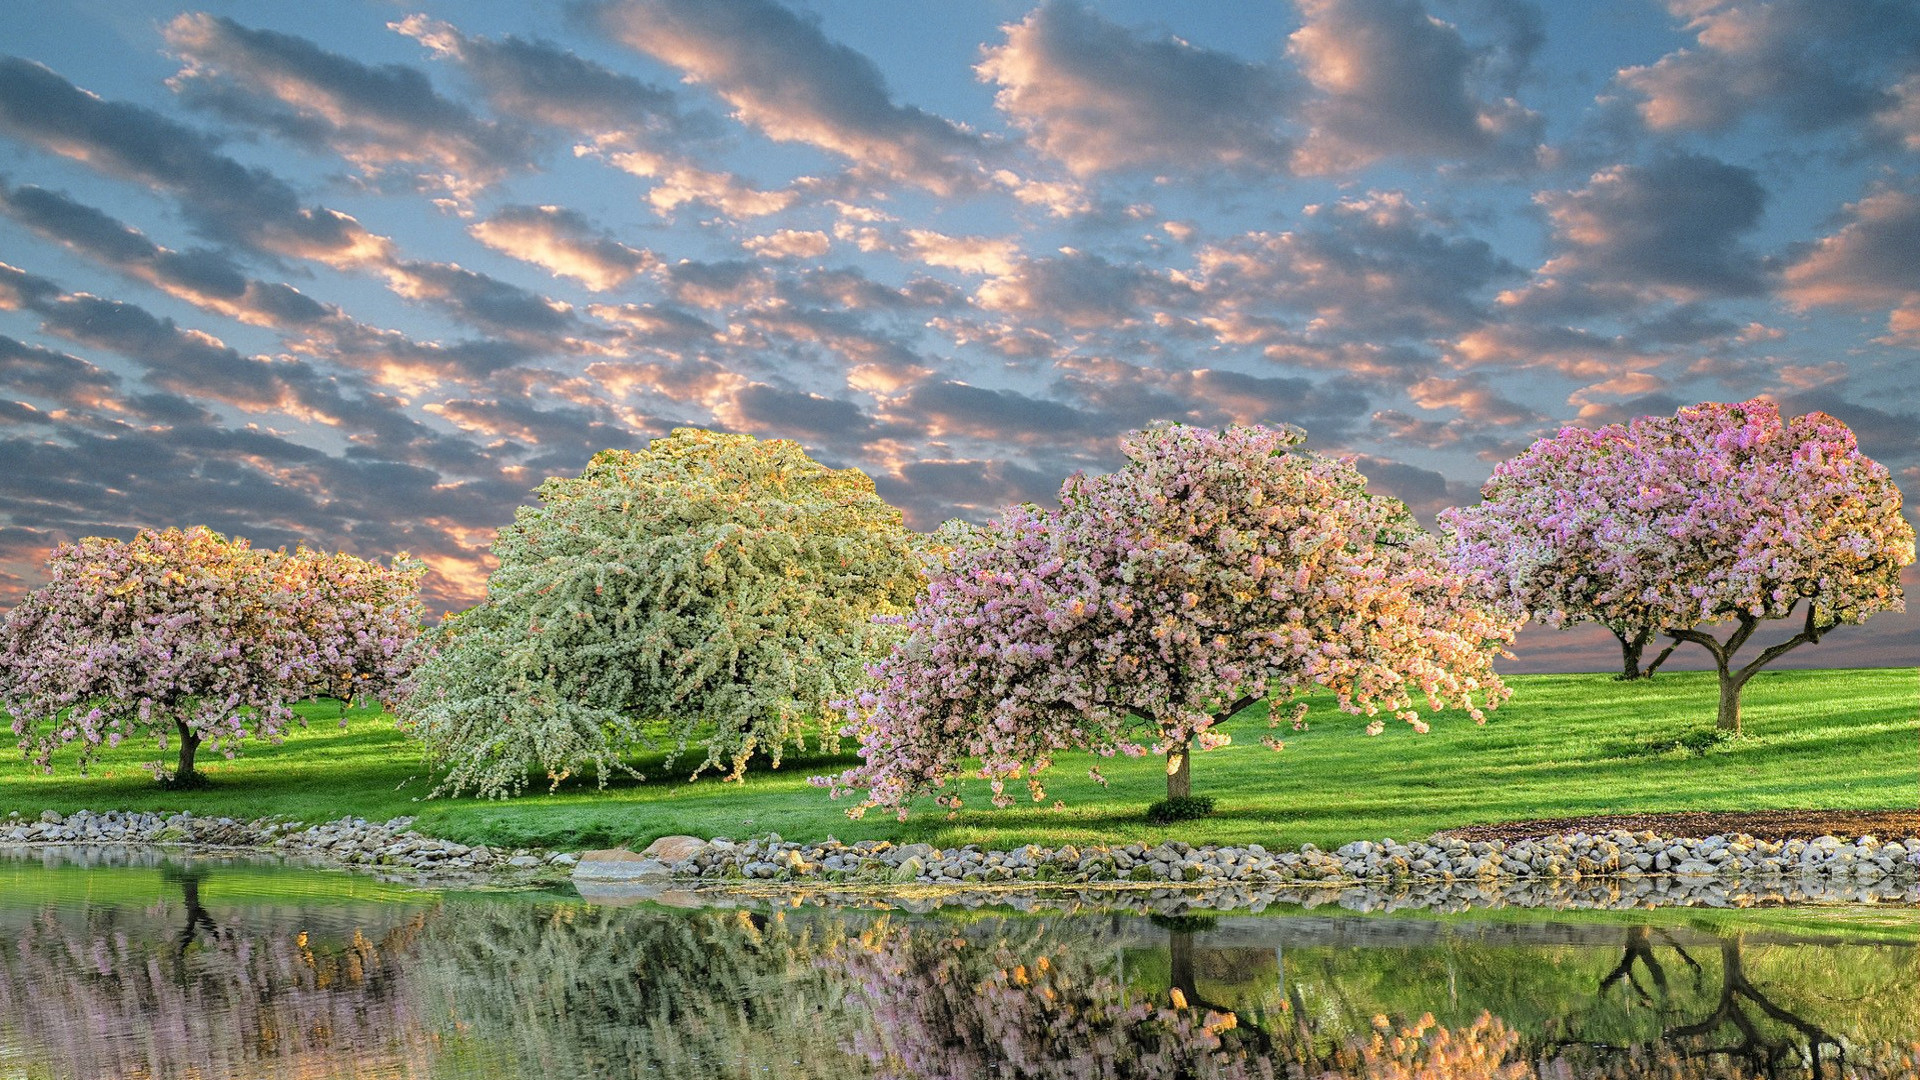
x: 1761, y: 824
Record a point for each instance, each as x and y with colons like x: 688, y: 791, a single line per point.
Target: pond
x: 146, y: 964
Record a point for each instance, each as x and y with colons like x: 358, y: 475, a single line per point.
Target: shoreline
x: 1615, y: 870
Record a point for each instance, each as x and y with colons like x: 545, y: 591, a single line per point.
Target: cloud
x: 1474, y: 398
x: 1082, y: 290
x: 1671, y: 227
x: 638, y: 127
x: 681, y: 182
x: 1901, y: 119
x: 212, y: 281
x: 789, y: 244
x: 1811, y: 64
x: 251, y: 206
x: 783, y: 76
x: 1872, y: 263
x: 1393, y: 81
x: 379, y: 118
x: 229, y: 201
x: 944, y: 408
x: 189, y: 362
x: 660, y: 327
x: 54, y: 377
x: 485, y: 301
x: 1098, y: 97
x: 730, y: 283
x: 1424, y: 491
x: 1576, y: 352
x: 1373, y: 267
x: 799, y: 414
x: 932, y: 490
x: 541, y: 82
x: 564, y: 242
x: 206, y: 278
x: 99, y: 477
x: 198, y: 368
x: 967, y: 254
x: 561, y: 432
x: 1121, y: 396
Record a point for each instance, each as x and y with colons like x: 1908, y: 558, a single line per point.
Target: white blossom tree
x: 711, y: 589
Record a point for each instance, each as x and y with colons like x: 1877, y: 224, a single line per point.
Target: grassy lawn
x: 1565, y: 745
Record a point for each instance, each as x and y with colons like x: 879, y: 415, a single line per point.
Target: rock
x: 523, y: 862
x: 52, y: 818
x: 617, y: 864
x: 673, y: 849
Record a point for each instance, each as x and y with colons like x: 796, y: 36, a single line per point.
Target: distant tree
x: 1213, y: 571
x: 1718, y: 514
x: 1559, y: 531
x: 361, y: 619
x: 186, y: 635
x: 712, y: 587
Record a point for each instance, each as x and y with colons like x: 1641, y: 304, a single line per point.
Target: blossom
x: 1214, y: 570
x: 1721, y: 513
x: 714, y: 588
x: 185, y: 633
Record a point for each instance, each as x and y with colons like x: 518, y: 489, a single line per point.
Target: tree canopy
x: 1719, y: 514
x: 709, y: 590
x: 1214, y: 570
x: 1561, y: 532
x: 190, y: 636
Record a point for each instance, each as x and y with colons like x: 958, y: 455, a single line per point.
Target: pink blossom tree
x: 1213, y: 571
x: 1720, y: 514
x: 361, y: 619
x: 187, y: 635
x: 1559, y: 531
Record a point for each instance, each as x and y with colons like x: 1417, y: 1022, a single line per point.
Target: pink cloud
x: 1098, y: 97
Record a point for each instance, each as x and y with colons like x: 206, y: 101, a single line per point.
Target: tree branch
x: 1233, y: 710
x: 1702, y: 639
x: 1812, y: 633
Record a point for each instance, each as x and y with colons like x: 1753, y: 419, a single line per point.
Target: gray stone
x: 618, y: 865
x: 673, y: 849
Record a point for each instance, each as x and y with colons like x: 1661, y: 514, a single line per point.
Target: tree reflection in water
x: 106, y: 990
x: 519, y: 987
x: 1734, y: 1035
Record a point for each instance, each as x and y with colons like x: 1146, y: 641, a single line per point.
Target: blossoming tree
x: 189, y: 636
x: 1214, y: 570
x: 1560, y: 530
x: 712, y: 587
x: 1719, y: 514
x: 361, y: 619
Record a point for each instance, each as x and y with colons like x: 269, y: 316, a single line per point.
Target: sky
x: 362, y: 274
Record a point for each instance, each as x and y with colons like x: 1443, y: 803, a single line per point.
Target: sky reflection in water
x: 229, y: 968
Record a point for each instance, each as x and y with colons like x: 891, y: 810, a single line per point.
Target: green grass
x: 1565, y: 745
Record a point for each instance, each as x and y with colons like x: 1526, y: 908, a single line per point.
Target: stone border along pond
x: 1613, y: 869
x: 353, y: 842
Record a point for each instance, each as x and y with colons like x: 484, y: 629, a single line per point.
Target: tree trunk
x: 1730, y: 684
x: 1180, y: 771
x: 1180, y: 965
x: 1630, y: 650
x: 189, y: 742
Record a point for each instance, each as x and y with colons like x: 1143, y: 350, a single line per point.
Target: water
x: 180, y: 967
